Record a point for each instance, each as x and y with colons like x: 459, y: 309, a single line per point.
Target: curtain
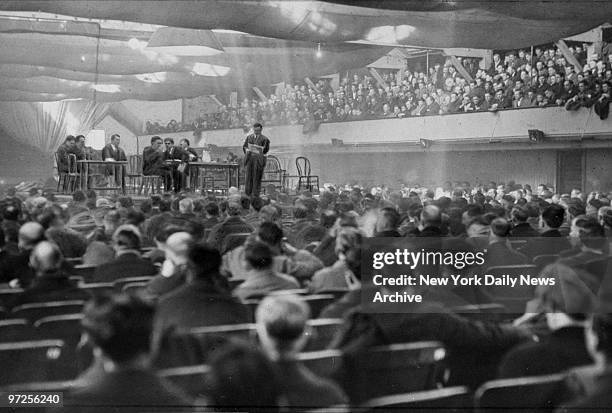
x: 45, y: 125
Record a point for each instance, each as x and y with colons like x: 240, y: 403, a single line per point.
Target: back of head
x: 572, y: 294
x: 127, y: 237
x: 30, y: 234
x: 257, y: 203
x: 186, y: 206
x: 258, y: 255
x: 204, y: 261
x: 348, y: 245
x: 212, y: 209
x: 78, y: 196
x: 245, y: 202
x: 269, y: 213
x: 242, y: 377
x: 300, y: 212
x: 388, y: 220
x: 179, y: 244
x: 519, y: 214
x: 592, y: 233
x: 281, y: 321
x: 270, y: 233
x: 431, y: 216
x: 46, y: 258
x: 500, y: 227
x: 553, y: 215
x: 120, y: 325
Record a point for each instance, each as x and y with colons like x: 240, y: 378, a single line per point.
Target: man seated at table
x: 113, y: 153
x: 153, y: 159
x: 175, y: 156
x: 193, y: 157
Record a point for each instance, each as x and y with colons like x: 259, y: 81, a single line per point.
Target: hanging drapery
x: 45, y: 125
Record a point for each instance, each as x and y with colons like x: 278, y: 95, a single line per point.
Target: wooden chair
x: 7, y: 294
x: 393, y: 369
x: 542, y: 261
x: 513, y: 298
x: 98, y: 288
x: 325, y: 363
x: 15, y: 329
x: 450, y: 399
x: 134, y: 172
x: 305, y: 179
x: 85, y: 271
x: 523, y: 394
x: 60, y: 327
x: 273, y: 173
x: 322, y: 331
x: 28, y: 361
x: 119, y: 283
x: 36, y: 311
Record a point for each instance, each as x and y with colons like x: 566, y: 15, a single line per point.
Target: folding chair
x: 60, y: 327
x: 393, y: 369
x: 119, y: 283
x: 28, y: 361
x: 450, y: 399
x: 85, y: 271
x: 98, y: 288
x: 36, y: 311
x: 523, y: 394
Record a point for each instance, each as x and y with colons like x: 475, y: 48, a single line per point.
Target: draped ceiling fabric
x: 53, y: 51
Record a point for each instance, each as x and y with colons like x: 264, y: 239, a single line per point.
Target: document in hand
x: 255, y: 148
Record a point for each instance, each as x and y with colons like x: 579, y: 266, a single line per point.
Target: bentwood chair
x: 305, y: 179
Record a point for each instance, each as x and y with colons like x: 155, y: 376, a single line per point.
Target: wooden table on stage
x: 118, y: 166
x: 230, y: 170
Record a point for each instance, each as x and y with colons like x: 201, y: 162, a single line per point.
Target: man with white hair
x: 283, y: 332
x: 174, y: 269
x: 127, y: 262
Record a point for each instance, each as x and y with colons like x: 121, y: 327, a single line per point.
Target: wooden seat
x: 513, y: 298
x: 324, y: 363
x: 317, y: 302
x: 523, y: 394
x: 119, y: 283
x: 393, y: 369
x: 16, y: 329
x: 450, y: 399
x: 7, y: 294
x: 60, y: 327
x: 322, y: 331
x: 28, y: 361
x: 542, y: 261
x: 36, y: 311
x: 48, y: 386
x: 191, y: 379
x: 134, y: 173
x: 134, y: 288
x: 85, y: 271
x: 98, y: 288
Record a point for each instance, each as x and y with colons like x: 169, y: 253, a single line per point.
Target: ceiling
x: 64, y: 49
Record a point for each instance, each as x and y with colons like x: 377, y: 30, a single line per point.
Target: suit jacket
x: 262, y: 282
x: 303, y: 388
x: 231, y: 225
x: 260, y: 140
x: 176, y: 153
x: 523, y: 230
x: 548, y: 243
x: 198, y: 304
x: 152, y: 161
x: 117, y: 154
x: 134, y: 390
x: 160, y: 285
x: 62, y: 158
x: 129, y: 264
x: 499, y: 253
x: 562, y: 349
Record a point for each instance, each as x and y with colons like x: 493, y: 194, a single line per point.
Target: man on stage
x: 177, y: 158
x: 112, y: 152
x: 255, y: 147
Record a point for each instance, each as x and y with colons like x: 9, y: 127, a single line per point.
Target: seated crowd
x: 159, y: 278
x: 515, y: 80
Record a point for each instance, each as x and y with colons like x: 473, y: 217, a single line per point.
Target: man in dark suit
x: 65, y: 149
x: 119, y: 327
x: 203, y: 301
x: 192, y: 173
x: 521, y: 228
x: 153, y: 158
x: 51, y: 283
x: 499, y: 251
x: 233, y: 224
x: 16, y: 267
x: 550, y: 241
x: 178, y: 156
x: 566, y: 305
x: 283, y: 332
x: 127, y: 262
x: 255, y: 148
x: 112, y: 152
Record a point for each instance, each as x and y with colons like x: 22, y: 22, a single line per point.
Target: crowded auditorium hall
x: 305, y: 206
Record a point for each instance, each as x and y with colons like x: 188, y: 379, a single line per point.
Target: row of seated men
x: 269, y: 264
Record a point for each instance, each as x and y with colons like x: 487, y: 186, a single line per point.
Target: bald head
x: 30, y: 234
x: 45, y: 257
x: 186, y: 206
x: 177, y: 247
